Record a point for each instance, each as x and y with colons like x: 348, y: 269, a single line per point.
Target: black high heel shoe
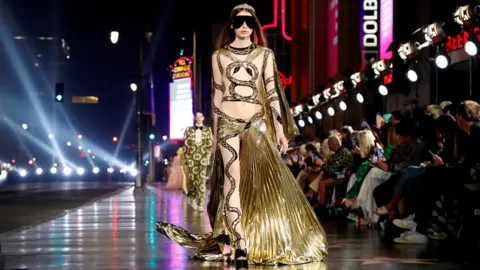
x: 241, y: 263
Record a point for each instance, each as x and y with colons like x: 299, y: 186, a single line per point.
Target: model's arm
x: 218, y: 89
x: 270, y: 86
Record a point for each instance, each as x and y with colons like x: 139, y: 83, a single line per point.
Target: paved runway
x: 119, y: 233
x: 26, y: 203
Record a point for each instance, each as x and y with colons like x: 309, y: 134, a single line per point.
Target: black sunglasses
x: 238, y: 21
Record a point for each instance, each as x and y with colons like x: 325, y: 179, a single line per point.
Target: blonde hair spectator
x: 434, y: 110
x: 366, y: 143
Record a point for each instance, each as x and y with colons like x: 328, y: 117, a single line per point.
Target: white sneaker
x: 200, y: 208
x: 406, y: 223
x: 411, y: 237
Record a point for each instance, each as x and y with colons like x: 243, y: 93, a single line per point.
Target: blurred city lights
x: 23, y: 172
x: 133, y: 86
x: 114, y: 35
x: 80, y: 171
x: 67, y: 171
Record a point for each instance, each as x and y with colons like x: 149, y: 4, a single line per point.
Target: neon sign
x: 181, y: 68
x: 458, y: 42
x: 386, y: 28
x: 369, y: 30
x: 275, y: 19
x: 285, y: 81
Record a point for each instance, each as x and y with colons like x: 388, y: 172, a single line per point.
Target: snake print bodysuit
x: 239, y: 76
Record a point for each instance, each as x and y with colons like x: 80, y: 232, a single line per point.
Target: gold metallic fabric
x: 279, y: 224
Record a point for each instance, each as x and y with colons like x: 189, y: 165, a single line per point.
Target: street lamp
x: 138, y: 103
x: 133, y: 86
x: 24, y: 126
x: 114, y: 37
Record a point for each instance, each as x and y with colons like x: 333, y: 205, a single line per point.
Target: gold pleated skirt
x: 279, y: 224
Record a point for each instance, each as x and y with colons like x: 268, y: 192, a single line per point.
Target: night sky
x: 100, y: 68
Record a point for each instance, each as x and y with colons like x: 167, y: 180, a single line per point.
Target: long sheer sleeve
x: 272, y: 98
x: 218, y: 89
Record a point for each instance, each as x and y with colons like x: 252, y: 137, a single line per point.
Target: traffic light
x: 151, y: 135
x: 59, y: 92
x: 148, y: 121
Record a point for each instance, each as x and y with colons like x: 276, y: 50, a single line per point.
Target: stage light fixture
x: 409, y: 51
x: 342, y: 105
x: 442, y: 61
x: 381, y: 67
x: 310, y: 120
x: 301, y: 123
x: 80, y: 171
x: 297, y: 110
x: 39, y: 171
x: 466, y: 16
x: 358, y: 79
x: 331, y: 111
x: 316, y: 99
x: 53, y: 170
x: 318, y: 115
x: 22, y: 172
x: 412, y: 75
x: 471, y: 46
x: 96, y: 170
x: 339, y: 87
x: 360, y: 98
x: 383, y: 90
x: 434, y: 33
x: 110, y: 170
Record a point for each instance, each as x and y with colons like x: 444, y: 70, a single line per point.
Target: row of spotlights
x: 80, y: 171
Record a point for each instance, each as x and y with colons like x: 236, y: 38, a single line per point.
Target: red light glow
x: 30, y: 162
x: 285, y: 81
x: 275, y: 19
x: 115, y: 139
x: 458, y: 42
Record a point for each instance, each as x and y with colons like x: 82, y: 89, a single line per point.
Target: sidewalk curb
x: 64, y: 212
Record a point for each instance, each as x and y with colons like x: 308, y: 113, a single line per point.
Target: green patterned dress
x: 197, y: 157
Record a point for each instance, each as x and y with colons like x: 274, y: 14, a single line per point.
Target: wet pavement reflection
x: 119, y: 233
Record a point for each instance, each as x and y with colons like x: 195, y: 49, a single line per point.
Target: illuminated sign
x: 182, y: 68
x: 285, y: 81
x: 369, y: 30
x: 386, y: 28
x: 283, y: 13
x: 458, y: 42
x: 181, y: 107
x: 85, y: 100
x: 332, y: 38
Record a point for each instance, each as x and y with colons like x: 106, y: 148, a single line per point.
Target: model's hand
x: 282, y: 142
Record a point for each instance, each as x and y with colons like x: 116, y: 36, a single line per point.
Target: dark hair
x: 406, y: 128
x: 450, y: 109
x: 469, y: 110
x: 228, y: 34
x: 446, y: 125
x: 310, y: 147
x: 398, y: 115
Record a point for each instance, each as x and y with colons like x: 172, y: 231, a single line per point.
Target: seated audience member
x: 346, y: 132
x: 436, y: 213
x: 293, y: 160
x: 340, y: 160
x: 414, y: 153
x: 383, y: 125
x: 382, y: 170
x: 366, y: 146
x: 445, y: 127
x: 311, y: 163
